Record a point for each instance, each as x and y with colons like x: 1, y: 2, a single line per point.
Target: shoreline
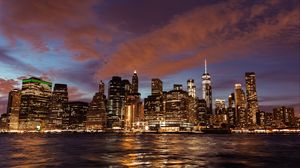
x: 261, y: 132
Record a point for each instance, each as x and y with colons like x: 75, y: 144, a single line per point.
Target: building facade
x: 35, y: 104
x: 240, y: 106
x: 59, y: 102
x: 191, y: 88
x: 13, y: 109
x: 96, y: 114
x: 156, y: 87
x: 251, y: 95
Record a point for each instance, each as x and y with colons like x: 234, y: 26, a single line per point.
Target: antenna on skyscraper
x: 205, y: 66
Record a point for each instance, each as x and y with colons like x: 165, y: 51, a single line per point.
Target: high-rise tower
x: 251, y: 94
x: 240, y: 105
x: 35, y: 103
x: 135, y: 83
x: 191, y: 88
x: 101, y: 88
x: 207, y: 89
x: 116, y: 101
x: 156, y: 87
x: 59, y: 103
x: 13, y: 108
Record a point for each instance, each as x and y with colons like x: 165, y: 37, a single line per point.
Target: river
x: 149, y: 150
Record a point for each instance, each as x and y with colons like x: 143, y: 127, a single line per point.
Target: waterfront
x: 148, y: 150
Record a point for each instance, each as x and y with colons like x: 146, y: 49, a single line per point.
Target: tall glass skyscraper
x: 117, y: 91
x: 207, y: 89
x: 251, y: 94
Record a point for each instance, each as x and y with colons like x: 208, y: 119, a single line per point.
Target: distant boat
x: 216, y: 130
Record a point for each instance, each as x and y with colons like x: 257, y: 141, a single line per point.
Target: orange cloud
x: 70, y: 22
x: 75, y: 93
x: 6, y: 85
x: 217, y: 32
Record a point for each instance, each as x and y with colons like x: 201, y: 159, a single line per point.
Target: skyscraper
x: 35, y: 103
x: 96, y: 114
x: 153, y: 105
x: 156, y: 87
x: 13, y: 109
x: 59, y: 104
x: 202, y: 112
x: 116, y: 101
x: 76, y: 118
x: 251, y: 94
x: 220, y: 106
x: 135, y: 83
x: 191, y: 88
x: 231, y: 110
x: 240, y: 105
x: 101, y: 88
x: 207, y: 89
x: 284, y: 115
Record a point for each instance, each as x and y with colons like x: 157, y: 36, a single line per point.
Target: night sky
x: 80, y: 42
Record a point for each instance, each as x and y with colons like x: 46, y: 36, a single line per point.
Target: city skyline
x: 238, y: 37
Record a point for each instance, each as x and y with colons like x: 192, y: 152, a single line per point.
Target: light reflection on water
x: 148, y: 150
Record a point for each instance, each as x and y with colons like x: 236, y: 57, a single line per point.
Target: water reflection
x: 150, y: 150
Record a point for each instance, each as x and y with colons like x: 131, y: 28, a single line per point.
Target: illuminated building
x: 207, y: 89
x: 135, y: 83
x: 117, y: 91
x: 59, y: 104
x: 202, y: 112
x: 240, y: 106
x: 153, y: 111
x: 156, y: 87
x: 35, y: 103
x: 133, y: 105
x: 76, y: 116
x: 153, y: 105
x: 96, y: 114
x: 177, y: 87
x: 218, y: 120
x: 220, y: 106
x: 284, y: 115
x: 269, y: 119
x: 261, y: 118
x: 191, y: 88
x: 133, y: 110
x: 13, y: 109
x: 251, y: 94
x: 101, y: 88
x: 176, y: 110
x: 3, y: 121
x: 231, y: 110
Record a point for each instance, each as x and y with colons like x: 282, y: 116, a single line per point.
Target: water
x: 149, y: 150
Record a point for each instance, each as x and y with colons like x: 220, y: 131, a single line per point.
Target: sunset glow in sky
x: 82, y: 42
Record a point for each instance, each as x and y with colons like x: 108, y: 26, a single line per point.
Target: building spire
x: 205, y: 67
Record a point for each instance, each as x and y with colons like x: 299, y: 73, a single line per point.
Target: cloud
x: 71, y: 23
x: 16, y: 63
x: 6, y: 85
x: 3, y: 106
x: 218, y: 32
x: 75, y: 93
